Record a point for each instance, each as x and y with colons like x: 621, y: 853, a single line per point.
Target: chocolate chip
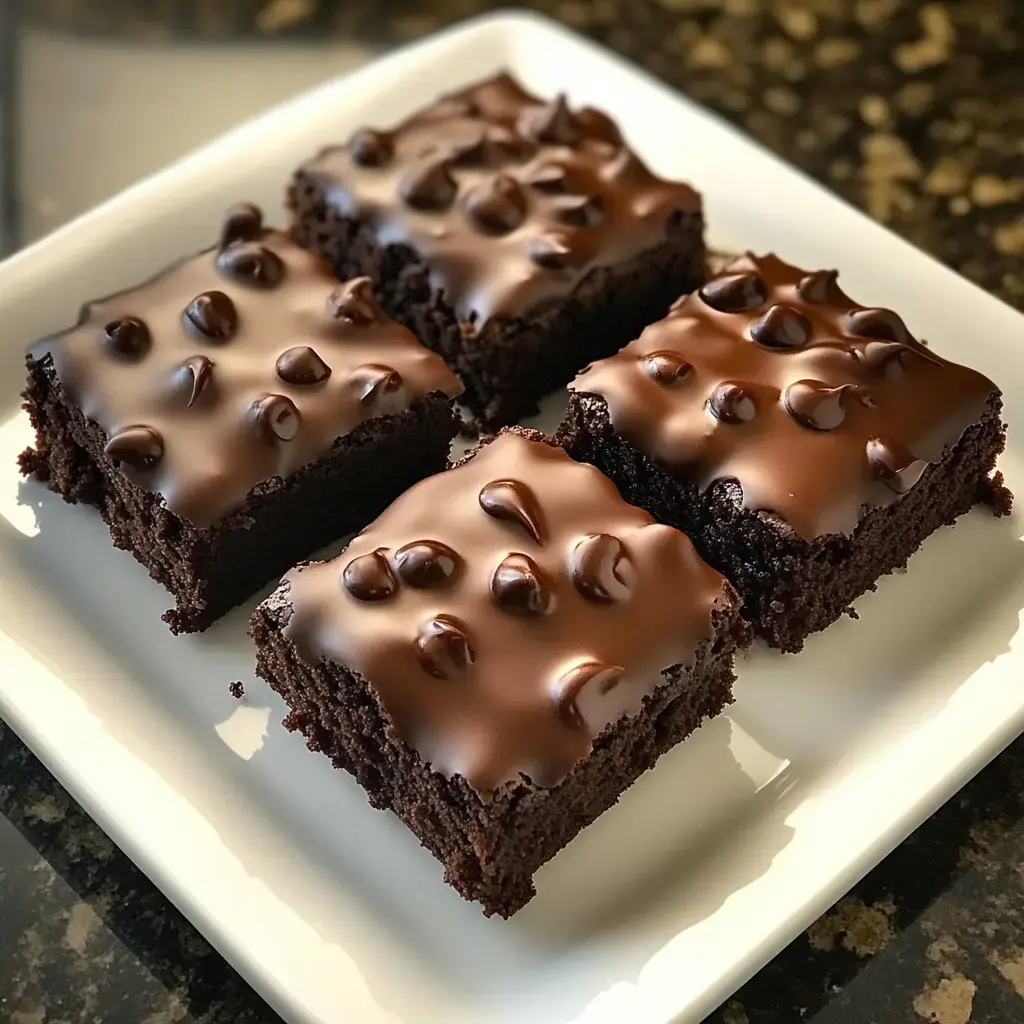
x: 429, y: 187
x: 242, y: 223
x: 251, y: 264
x: 582, y: 212
x: 195, y: 373
x: 426, y: 563
x: 875, y: 323
x: 519, y: 587
x: 732, y: 403
x: 598, y: 125
x: 369, y: 577
x: 665, y: 368
x: 369, y: 148
x: 212, y: 314
x: 127, y: 337
x: 734, y: 293
x: 471, y: 150
x: 893, y: 464
x: 497, y: 206
x: 302, y: 367
x: 374, y: 381
x: 502, y: 145
x: 513, y: 502
x: 354, y: 302
x: 570, y: 685
x: 277, y: 417
x: 819, y: 286
x: 601, y: 569
x: 139, y: 447
x: 553, y: 124
x: 443, y: 648
x: 781, y: 327
x: 816, y: 405
x: 553, y: 178
x: 555, y: 251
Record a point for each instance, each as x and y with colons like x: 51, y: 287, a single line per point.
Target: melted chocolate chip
x: 819, y: 286
x: 554, y: 251
x: 195, y: 373
x: 601, y: 570
x: 582, y: 212
x: 502, y: 145
x: 212, y: 315
x: 127, y: 337
x: 368, y: 148
x: 570, y: 685
x: 781, y: 327
x: 519, y: 587
x: 302, y: 367
x: 498, y: 206
x: 816, y: 405
x: 443, y: 648
x: 374, y: 381
x: 354, y: 302
x: 883, y: 324
x: 242, y: 223
x: 251, y: 264
x: 554, y: 179
x: 893, y: 464
x: 277, y: 417
x: 429, y: 187
x: 731, y: 403
x: 369, y: 577
x: 665, y: 368
x: 426, y: 563
x: 553, y: 124
x: 598, y: 125
x: 735, y: 293
x: 139, y: 447
x: 514, y: 502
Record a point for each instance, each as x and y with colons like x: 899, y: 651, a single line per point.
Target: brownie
x: 234, y: 413
x: 499, y: 675
x: 807, y: 445
x: 518, y: 238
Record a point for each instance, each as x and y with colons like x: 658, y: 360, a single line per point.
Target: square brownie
x: 518, y: 238
x: 499, y: 675
x: 806, y: 444
x: 234, y: 413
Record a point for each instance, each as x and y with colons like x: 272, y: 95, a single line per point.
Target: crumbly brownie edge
x: 210, y: 571
x: 511, y: 362
x: 490, y: 850
x: 792, y: 587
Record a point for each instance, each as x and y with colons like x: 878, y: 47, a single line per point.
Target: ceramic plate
x: 712, y: 862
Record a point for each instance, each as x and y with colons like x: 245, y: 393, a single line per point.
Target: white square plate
x: 713, y: 861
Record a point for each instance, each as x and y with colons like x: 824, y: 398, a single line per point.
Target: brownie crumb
x: 236, y: 689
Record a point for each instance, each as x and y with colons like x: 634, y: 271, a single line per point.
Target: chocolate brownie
x: 234, y: 413
x: 518, y: 238
x: 499, y: 675
x: 807, y: 444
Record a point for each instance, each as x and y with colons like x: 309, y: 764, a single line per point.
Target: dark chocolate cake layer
x: 498, y: 676
x: 519, y: 239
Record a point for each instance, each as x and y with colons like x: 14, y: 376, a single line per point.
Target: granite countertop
x: 915, y: 112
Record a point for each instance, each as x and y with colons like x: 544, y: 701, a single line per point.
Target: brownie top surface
x: 510, y: 200
x: 240, y: 364
x: 506, y: 611
x: 769, y: 375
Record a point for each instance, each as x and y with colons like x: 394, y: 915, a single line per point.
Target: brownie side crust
x: 790, y: 586
x: 489, y: 849
x: 509, y: 362
x: 211, y: 570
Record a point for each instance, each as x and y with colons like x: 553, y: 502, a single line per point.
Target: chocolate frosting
x: 504, y: 635
x: 772, y: 377
x: 510, y: 200
x: 240, y: 364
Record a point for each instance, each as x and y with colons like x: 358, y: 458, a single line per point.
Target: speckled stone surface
x: 915, y: 112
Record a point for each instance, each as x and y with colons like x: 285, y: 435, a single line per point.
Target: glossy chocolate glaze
x: 772, y: 377
x: 515, y: 639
